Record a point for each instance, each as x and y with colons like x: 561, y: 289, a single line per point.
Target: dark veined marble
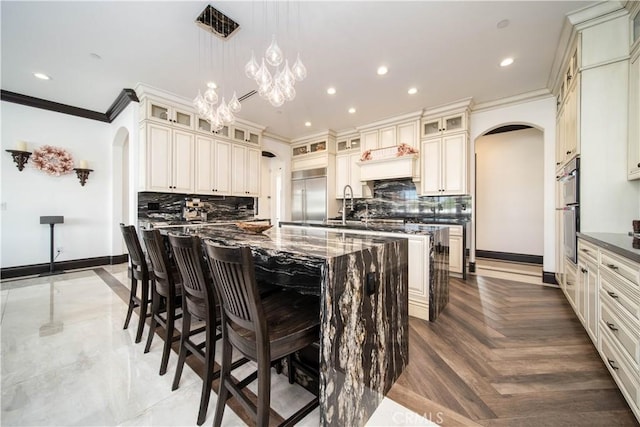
x: 362, y: 283
x: 399, y: 199
x: 438, y: 252
x: 154, y: 206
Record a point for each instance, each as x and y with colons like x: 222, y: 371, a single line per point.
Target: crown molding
x: 120, y: 103
x: 391, y: 120
x: 513, y: 100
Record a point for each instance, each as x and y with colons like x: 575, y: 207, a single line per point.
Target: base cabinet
x: 610, y: 312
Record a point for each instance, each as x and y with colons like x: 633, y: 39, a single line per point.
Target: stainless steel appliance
x: 570, y: 183
x: 309, y: 195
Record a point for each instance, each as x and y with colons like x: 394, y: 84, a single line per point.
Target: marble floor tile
x: 65, y: 360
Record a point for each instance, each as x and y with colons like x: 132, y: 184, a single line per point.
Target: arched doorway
x: 510, y: 194
x: 121, y: 197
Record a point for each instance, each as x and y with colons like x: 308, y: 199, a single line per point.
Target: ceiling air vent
x: 217, y: 22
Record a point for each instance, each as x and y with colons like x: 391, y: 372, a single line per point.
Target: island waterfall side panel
x: 364, y: 346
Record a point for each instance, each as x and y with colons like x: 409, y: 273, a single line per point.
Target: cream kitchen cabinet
x: 203, y: 126
x: 379, y: 138
x: 212, y: 166
x: 167, y: 113
x: 347, y: 144
x: 444, y: 165
x: 568, y: 124
x: 169, y: 159
x: 348, y: 172
x: 245, y: 163
x: 456, y: 248
x: 244, y: 134
x: 633, y: 162
x: 588, y: 287
x: 435, y: 126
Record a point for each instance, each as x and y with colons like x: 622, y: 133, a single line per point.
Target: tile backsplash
x: 399, y: 199
x: 168, y: 206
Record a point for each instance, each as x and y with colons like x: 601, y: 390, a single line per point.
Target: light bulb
x: 299, y: 70
x: 273, y: 53
x: 234, y: 104
x: 252, y: 67
x: 276, y: 97
x: 263, y: 76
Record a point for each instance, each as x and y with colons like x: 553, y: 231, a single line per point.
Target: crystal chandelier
x: 276, y: 86
x: 207, y: 107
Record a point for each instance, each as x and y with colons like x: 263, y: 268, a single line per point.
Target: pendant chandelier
x: 275, y: 85
x: 207, y: 106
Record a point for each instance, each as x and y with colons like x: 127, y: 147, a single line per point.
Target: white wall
x: 509, y: 192
x: 539, y: 113
x: 31, y: 193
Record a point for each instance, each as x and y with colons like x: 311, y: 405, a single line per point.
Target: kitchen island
x: 361, y: 282
x: 428, y: 258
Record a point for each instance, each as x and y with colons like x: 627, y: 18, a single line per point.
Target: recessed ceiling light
x: 506, y: 62
x: 412, y: 91
x: 331, y: 91
x: 307, y: 124
x: 212, y: 85
x: 503, y: 24
x: 382, y: 70
x: 41, y: 76
x: 352, y: 110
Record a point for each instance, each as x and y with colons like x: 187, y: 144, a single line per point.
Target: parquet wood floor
x: 506, y: 353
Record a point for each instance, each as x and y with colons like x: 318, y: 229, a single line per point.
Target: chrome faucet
x: 344, y: 203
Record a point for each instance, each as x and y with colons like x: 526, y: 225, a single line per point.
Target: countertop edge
x: 597, y: 239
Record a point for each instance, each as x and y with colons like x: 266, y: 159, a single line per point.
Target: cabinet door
x: 455, y: 254
x: 408, y: 134
x: 158, y: 111
x: 359, y: 190
x: 453, y: 123
x: 633, y: 163
x: 222, y: 168
x: 239, y: 134
x: 238, y: 170
x: 370, y: 140
x: 252, y: 172
x: 387, y: 137
x: 343, y: 167
x: 183, y: 157
x: 204, y: 165
x: 454, y: 164
x: 592, y: 296
x: 417, y: 261
x: 431, y: 127
x: 570, y: 119
x: 159, y: 158
x: 431, y: 167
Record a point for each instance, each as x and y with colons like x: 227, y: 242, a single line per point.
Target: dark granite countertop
x: 371, y: 226
x: 308, y: 243
x: 619, y: 243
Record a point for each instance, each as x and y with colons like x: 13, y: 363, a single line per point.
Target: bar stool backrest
x: 136, y: 255
x: 165, y: 284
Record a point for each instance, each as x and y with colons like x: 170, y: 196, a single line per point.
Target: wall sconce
x: 83, y: 174
x: 21, y: 155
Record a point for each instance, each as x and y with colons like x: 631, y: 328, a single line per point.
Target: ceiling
x: 448, y: 50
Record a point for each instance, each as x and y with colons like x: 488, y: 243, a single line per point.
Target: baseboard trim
x: 34, y: 269
x: 549, y: 277
x: 507, y: 256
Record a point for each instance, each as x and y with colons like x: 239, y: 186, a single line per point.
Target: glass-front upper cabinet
x: 443, y: 125
x: 169, y: 114
x: 348, y: 144
x: 245, y: 135
x: 636, y: 28
x: 205, y: 126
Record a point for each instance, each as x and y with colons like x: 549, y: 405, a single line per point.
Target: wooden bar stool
x: 139, y: 270
x: 199, y: 302
x: 261, y: 329
x: 166, y: 291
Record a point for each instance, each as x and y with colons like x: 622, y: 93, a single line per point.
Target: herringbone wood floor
x: 505, y: 353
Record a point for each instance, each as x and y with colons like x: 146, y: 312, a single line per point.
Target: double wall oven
x: 569, y: 180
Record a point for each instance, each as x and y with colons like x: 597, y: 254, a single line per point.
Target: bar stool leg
x: 144, y: 302
x: 223, y: 392
x: 132, y: 304
x: 166, y: 351
x: 209, y: 355
x: 264, y: 389
x: 182, y: 356
x: 155, y: 310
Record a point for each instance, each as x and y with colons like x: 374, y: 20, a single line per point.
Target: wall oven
x: 569, y: 181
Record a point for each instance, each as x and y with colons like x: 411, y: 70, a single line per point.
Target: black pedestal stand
x: 51, y: 220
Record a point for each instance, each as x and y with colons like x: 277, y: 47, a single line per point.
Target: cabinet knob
x: 558, y: 164
x: 611, y: 326
x: 611, y: 362
x: 569, y: 152
x: 584, y: 270
x: 612, y: 295
x: 638, y: 165
x: 612, y: 266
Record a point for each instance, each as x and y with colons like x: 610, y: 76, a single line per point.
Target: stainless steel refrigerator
x: 309, y: 195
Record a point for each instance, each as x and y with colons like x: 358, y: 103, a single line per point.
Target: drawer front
x: 455, y: 230
x: 627, y: 381
x: 621, y: 331
x: 620, y: 296
x: 587, y: 250
x: 620, y: 267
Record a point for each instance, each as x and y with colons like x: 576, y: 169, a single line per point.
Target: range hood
x: 386, y: 163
